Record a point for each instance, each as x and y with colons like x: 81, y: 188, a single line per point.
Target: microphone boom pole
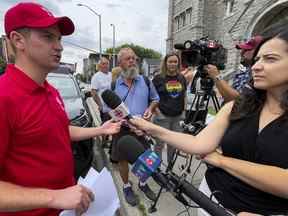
x: 198, y: 197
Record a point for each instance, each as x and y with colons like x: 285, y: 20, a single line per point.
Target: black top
x: 171, y: 90
x: 242, y: 141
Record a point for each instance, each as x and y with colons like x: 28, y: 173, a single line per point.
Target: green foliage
x: 140, y: 51
x: 2, y: 65
x: 211, y: 111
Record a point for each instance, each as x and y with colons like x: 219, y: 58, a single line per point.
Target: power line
x: 81, y: 47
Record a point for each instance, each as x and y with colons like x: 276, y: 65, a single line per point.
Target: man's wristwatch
x: 219, y: 77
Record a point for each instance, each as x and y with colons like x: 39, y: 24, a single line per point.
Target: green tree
x: 140, y: 51
x: 2, y: 65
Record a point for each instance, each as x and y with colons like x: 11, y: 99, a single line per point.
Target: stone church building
x: 228, y: 21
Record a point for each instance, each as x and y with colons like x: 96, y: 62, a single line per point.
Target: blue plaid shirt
x: 241, y: 78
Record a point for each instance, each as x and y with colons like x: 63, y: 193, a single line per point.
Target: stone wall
x: 210, y: 18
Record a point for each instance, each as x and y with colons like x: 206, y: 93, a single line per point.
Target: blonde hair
x: 116, y: 71
x: 103, y: 59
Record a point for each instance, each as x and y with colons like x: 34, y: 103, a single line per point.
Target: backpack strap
x: 147, y: 81
x: 113, y: 85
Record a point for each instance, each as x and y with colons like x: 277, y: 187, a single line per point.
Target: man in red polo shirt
x: 36, y: 164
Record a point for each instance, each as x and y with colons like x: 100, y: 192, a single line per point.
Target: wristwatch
x: 219, y: 77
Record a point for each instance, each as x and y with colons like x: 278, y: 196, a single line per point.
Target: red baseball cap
x: 250, y: 44
x: 33, y: 15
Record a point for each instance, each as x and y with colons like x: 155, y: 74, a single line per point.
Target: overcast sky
x: 142, y: 22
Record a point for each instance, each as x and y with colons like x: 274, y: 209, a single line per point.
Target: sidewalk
x: 167, y: 204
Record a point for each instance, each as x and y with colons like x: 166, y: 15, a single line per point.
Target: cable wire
x: 79, y: 46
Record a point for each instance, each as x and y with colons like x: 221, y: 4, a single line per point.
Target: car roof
x: 61, y: 71
x: 53, y: 74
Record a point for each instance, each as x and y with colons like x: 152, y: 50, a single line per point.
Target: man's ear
x: 17, y: 39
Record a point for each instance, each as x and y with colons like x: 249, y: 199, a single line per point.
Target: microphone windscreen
x: 111, y: 99
x: 129, y: 148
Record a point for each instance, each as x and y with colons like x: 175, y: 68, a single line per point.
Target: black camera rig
x: 199, y: 53
x: 202, y: 52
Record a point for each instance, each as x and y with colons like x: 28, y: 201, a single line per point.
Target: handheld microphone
x: 131, y: 150
x: 119, y: 110
x: 145, y: 163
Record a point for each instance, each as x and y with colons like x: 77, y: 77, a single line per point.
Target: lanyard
x: 125, y: 97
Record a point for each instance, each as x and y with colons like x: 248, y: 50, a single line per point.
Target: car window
x: 65, y: 86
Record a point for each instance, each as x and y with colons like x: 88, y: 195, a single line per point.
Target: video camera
x: 199, y: 53
x: 202, y: 52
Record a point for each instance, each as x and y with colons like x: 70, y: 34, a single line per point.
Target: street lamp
x: 113, y: 26
x: 99, y: 15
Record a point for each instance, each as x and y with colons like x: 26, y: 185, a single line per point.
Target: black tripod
x: 194, y: 122
x: 196, y: 116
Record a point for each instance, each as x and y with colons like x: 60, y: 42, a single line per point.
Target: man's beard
x: 130, y: 73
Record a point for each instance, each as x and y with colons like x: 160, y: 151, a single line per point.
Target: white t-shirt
x: 101, y: 82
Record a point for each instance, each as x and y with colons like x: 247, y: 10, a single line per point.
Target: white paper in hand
x: 106, y: 198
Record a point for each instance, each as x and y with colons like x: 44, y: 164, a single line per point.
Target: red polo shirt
x: 35, y: 149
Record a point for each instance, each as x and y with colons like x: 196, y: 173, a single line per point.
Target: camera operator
x: 241, y: 77
x: 195, y: 55
x: 252, y: 134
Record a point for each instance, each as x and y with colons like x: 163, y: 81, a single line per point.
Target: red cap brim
x: 243, y: 46
x: 65, y: 24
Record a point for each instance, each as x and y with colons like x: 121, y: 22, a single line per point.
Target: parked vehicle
x: 79, y: 115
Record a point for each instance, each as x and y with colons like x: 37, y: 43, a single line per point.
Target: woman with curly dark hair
x: 250, y: 173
